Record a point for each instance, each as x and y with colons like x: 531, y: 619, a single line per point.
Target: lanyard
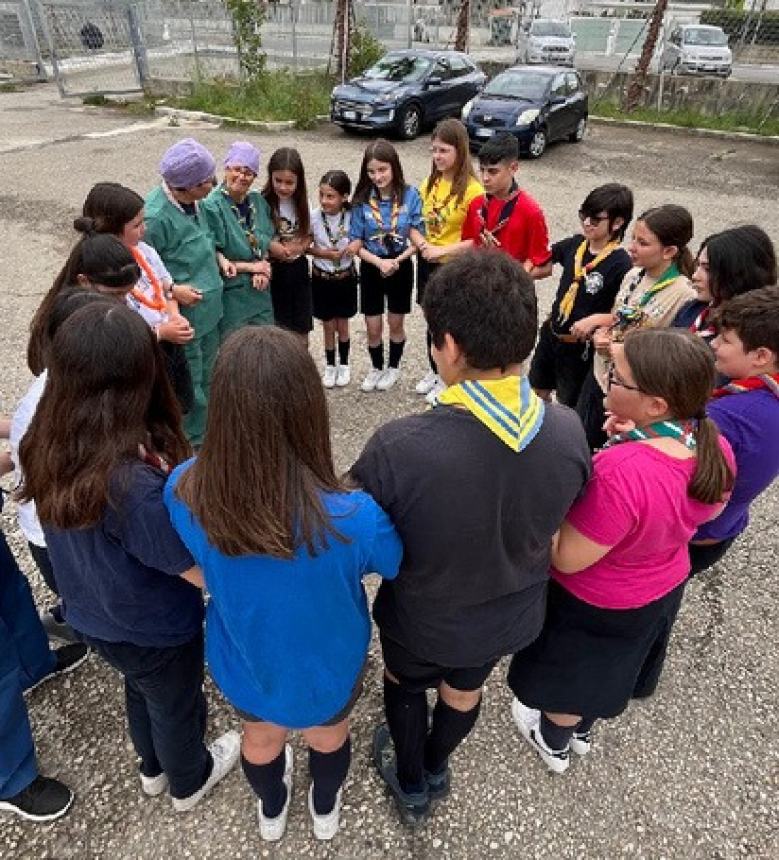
x: 157, y: 302
x: 246, y: 219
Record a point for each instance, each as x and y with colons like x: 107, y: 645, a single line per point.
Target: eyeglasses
x: 614, y: 379
x: 243, y: 171
x: 593, y: 219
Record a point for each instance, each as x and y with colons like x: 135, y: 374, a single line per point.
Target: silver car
x: 544, y: 40
x: 697, y: 49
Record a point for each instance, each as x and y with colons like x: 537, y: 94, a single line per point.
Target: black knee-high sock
x: 330, y: 357
x: 343, y: 350
x: 396, y: 352
x: 377, y: 356
x: 407, y: 720
x: 266, y: 782
x: 429, y: 340
x: 450, y: 728
x: 556, y: 737
x: 585, y: 725
x: 328, y: 772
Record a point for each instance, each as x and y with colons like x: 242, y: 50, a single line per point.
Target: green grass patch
x: 744, y: 121
x: 277, y: 95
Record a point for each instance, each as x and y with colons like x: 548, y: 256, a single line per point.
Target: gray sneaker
x: 59, y: 630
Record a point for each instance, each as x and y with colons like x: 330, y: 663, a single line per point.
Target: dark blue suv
x: 537, y: 104
x: 406, y: 90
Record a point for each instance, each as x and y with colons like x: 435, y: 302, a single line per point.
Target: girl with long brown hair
x: 446, y: 195
x: 620, y: 560
x: 94, y: 460
x: 284, y: 546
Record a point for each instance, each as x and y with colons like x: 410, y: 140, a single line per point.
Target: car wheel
x: 537, y: 145
x: 410, y: 121
x: 577, y: 135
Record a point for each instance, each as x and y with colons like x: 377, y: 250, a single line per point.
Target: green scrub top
x: 184, y: 242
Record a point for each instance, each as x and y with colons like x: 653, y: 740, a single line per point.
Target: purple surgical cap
x: 243, y: 154
x: 187, y: 164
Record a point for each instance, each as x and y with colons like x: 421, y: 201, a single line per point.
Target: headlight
x: 527, y: 116
x: 388, y: 97
x: 467, y: 109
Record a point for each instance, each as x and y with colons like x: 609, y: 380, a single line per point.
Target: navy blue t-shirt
x: 120, y: 580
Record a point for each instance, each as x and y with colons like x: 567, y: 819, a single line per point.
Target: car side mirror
x: 434, y: 81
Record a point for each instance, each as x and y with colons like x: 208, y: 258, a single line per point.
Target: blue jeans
x: 166, y: 709
x: 25, y: 657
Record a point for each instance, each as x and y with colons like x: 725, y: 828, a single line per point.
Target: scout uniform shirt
x: 444, y: 216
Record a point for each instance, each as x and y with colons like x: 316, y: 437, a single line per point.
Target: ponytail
x: 713, y: 477
x: 685, y: 261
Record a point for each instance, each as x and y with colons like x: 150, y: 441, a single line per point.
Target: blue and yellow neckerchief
x: 508, y: 407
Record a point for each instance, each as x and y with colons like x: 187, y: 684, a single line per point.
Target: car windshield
x: 550, y: 28
x: 399, y: 68
x: 518, y: 85
x: 705, y: 37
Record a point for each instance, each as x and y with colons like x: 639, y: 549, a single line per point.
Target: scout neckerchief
x: 633, y: 316
x: 247, y: 218
x: 683, y: 432
x: 151, y: 458
x: 388, y: 237
x: 489, y: 238
x: 439, y: 212
x: 342, y: 233
x: 702, y: 326
x: 580, y: 274
x: 508, y: 407
x: 769, y: 381
x: 157, y: 301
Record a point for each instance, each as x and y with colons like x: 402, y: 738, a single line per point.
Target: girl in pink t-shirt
x: 620, y: 559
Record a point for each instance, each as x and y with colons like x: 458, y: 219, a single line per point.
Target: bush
x: 762, y: 30
x: 365, y: 50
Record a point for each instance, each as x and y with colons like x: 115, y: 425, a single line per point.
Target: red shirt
x: 524, y: 237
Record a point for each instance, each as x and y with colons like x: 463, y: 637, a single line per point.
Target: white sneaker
x: 152, y: 786
x: 329, y: 376
x: 527, y: 720
x: 344, y: 375
x: 426, y: 383
x: 388, y: 378
x: 325, y: 826
x: 371, y: 380
x: 432, y: 396
x: 224, y: 751
x: 272, y: 829
x: 581, y: 744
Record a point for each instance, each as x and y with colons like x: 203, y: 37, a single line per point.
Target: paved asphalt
x: 692, y: 773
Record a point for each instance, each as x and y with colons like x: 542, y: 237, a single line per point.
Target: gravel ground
x: 688, y: 774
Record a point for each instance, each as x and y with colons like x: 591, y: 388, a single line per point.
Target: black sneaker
x: 68, y: 657
x: 413, y: 808
x: 44, y: 799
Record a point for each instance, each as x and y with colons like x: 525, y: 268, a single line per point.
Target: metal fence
x: 20, y: 53
x: 117, y: 45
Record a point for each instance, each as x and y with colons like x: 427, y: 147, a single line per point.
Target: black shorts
x: 290, y: 291
x: 396, y: 288
x: 424, y: 271
x: 592, y: 412
x: 333, y: 298
x: 559, y: 367
x: 416, y: 675
x: 593, y: 661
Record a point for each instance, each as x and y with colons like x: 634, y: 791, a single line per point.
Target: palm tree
x: 638, y: 82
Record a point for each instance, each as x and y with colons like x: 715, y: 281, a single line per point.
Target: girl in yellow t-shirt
x: 446, y: 195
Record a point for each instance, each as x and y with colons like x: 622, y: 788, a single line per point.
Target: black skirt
x: 593, y: 661
x: 290, y: 290
x: 179, y: 375
x: 334, y: 298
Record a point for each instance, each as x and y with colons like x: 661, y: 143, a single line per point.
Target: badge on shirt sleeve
x: 593, y: 283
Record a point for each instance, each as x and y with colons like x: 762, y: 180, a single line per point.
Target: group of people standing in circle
x: 494, y: 529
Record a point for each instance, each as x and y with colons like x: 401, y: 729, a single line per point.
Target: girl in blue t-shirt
x: 387, y: 221
x: 94, y: 460
x: 284, y: 546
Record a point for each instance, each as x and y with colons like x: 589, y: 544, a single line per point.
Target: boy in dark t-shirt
x: 476, y: 487
x: 594, y: 265
x: 506, y: 217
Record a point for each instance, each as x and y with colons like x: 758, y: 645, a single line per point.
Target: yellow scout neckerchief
x: 508, y: 407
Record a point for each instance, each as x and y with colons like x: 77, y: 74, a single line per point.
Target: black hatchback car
x: 406, y: 90
x: 537, y: 104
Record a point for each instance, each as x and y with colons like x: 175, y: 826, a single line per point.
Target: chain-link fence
x: 20, y: 52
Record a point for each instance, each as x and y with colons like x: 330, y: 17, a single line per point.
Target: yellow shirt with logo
x: 442, y: 214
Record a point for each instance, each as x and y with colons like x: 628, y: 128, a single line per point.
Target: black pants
x: 704, y: 556
x: 559, y: 367
x: 166, y: 709
x: 592, y: 412
x: 40, y: 555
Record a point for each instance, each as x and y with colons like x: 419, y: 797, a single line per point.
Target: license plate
x: 350, y: 114
x: 484, y: 132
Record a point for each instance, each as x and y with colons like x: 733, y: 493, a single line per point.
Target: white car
x: 697, y: 49
x: 546, y: 41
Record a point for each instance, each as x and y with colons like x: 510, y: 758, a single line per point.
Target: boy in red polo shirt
x: 507, y: 217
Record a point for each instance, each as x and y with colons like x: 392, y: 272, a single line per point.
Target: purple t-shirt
x: 750, y: 422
